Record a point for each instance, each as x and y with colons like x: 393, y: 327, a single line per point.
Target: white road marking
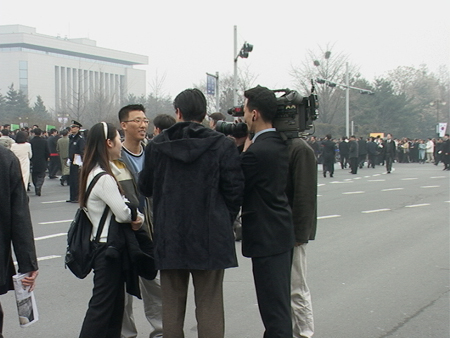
x: 43, y: 258
x: 366, y: 176
x: 380, y: 180
x: 437, y: 177
x: 430, y: 186
x: 319, y: 195
x: 353, y: 192
x: 417, y: 205
x: 409, y: 178
x: 339, y: 182
x: 50, y: 236
x: 392, y: 189
x: 319, y: 185
x: 50, y: 202
x: 357, y: 178
x: 372, y: 211
x: 56, y: 222
x: 376, y: 175
x: 329, y: 216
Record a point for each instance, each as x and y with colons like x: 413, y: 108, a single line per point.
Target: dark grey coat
x: 195, y: 178
x: 15, y: 221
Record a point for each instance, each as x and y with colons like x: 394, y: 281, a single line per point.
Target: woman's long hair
x: 96, y: 152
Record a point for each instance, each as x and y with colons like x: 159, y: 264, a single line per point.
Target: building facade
x: 66, y: 73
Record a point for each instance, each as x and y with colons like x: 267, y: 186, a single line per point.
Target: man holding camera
x: 267, y: 230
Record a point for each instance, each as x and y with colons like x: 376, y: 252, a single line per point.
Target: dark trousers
x: 272, y: 276
x: 53, y: 166
x: 104, y: 316
x: 354, y: 165
x: 372, y: 160
x: 328, y: 165
x: 361, y: 160
x: 208, y: 293
x: 389, y: 160
x: 73, y: 181
x: 38, y: 179
x: 344, y: 161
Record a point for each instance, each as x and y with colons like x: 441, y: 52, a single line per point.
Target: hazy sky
x: 186, y: 39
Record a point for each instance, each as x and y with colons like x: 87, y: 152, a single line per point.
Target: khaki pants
x: 208, y: 294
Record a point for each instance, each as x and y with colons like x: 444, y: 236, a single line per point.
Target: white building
x: 66, y: 72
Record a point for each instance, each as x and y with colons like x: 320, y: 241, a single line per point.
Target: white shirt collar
x: 261, y: 132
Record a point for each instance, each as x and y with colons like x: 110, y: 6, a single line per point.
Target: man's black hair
x: 5, y: 132
x: 263, y: 100
x: 53, y: 130
x: 192, y: 105
x: 164, y: 121
x: 125, y: 111
x: 37, y: 131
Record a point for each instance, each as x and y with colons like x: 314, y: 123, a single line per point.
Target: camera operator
x: 214, y: 118
x: 267, y: 229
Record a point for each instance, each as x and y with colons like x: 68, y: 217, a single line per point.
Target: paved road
x: 379, y: 267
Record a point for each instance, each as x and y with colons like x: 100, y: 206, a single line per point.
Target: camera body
x: 295, y: 113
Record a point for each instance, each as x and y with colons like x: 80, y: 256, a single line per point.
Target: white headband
x: 105, y: 130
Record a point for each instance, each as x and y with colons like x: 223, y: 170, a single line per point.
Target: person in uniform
x: 76, y: 151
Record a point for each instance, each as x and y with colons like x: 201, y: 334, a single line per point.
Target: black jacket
x: 328, y: 151
x: 353, y: 149
x: 195, y: 178
x: 76, y: 145
x: 39, y: 146
x: 15, y: 221
x: 267, y: 227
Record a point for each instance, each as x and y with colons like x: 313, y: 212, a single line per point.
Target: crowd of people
x: 359, y: 152
x: 184, y: 191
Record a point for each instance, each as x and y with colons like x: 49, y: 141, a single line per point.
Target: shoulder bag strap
x: 105, y: 212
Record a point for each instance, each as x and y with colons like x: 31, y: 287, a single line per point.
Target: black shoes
x: 72, y: 201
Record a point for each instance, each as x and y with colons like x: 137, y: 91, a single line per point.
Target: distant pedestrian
x: 389, y: 150
x: 5, y: 140
x: 54, y: 164
x: 23, y: 151
x: 76, y: 152
x: 15, y: 227
x: 62, y: 148
x: 343, y: 151
x: 328, y: 155
x: 353, y: 155
x: 39, y: 160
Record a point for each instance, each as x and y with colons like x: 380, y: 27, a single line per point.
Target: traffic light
x: 246, y: 48
x: 320, y: 81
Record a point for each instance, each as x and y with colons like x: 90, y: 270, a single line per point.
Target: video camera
x: 295, y: 113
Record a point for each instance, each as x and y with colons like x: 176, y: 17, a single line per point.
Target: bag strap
x: 105, y: 212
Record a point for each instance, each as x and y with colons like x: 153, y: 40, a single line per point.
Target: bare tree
x: 329, y: 65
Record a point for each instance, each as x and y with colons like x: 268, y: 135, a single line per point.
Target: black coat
x: 328, y: 151
x: 389, y: 148
x: 195, y: 178
x: 267, y: 227
x: 353, y: 149
x: 15, y: 221
x: 39, y: 146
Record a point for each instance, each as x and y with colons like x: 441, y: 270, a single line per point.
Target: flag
x: 210, y: 84
x: 442, y: 129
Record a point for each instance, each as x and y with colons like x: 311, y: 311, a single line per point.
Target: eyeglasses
x: 139, y: 121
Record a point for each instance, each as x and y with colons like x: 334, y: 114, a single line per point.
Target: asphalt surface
x: 379, y: 266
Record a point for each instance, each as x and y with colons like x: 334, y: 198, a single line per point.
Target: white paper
x: 77, y: 160
x: 26, y: 303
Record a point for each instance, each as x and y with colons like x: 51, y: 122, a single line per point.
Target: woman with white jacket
x: 104, y: 316
x: 22, y: 149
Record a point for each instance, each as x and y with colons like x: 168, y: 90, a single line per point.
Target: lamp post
x: 438, y: 103
x: 243, y: 53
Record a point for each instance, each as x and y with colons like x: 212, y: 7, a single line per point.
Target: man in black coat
x: 328, y: 154
x: 362, y: 152
x: 54, y: 164
x: 389, y: 150
x: 76, y: 152
x: 371, y: 152
x: 15, y: 227
x: 343, y: 152
x: 194, y: 175
x: 39, y: 160
x: 446, y: 152
x: 353, y: 154
x: 267, y: 229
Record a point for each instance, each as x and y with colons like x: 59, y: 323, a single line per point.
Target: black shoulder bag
x: 80, y: 249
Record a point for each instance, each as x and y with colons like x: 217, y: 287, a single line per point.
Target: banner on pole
x: 210, y: 84
x: 442, y: 129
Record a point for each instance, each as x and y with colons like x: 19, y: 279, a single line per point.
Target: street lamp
x: 243, y: 53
